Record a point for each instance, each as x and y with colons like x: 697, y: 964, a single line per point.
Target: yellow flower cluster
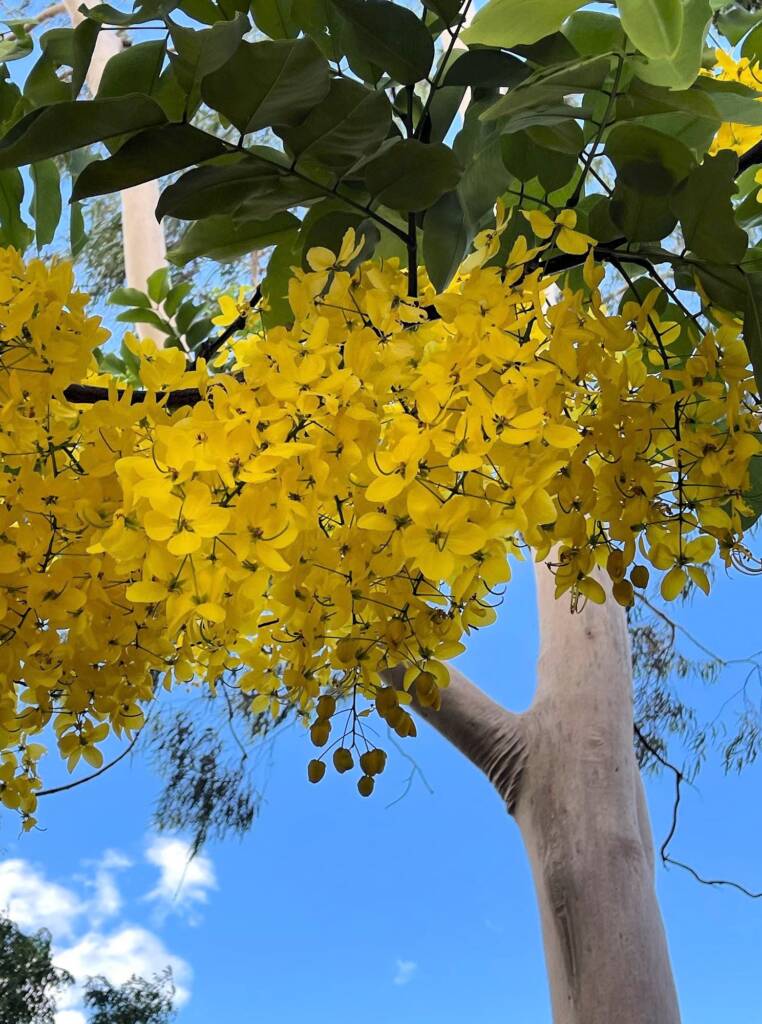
x: 738, y: 137
x: 344, y: 495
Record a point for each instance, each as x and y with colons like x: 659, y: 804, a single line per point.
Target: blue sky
x: 334, y: 907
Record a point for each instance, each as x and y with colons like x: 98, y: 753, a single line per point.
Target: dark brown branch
x: 88, y: 394
x: 212, y: 346
x: 750, y: 158
x: 93, y: 775
x: 666, y: 857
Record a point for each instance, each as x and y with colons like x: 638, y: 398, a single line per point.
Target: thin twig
x: 664, y: 854
x: 100, y: 771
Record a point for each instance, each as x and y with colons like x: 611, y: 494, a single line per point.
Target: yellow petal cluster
x: 738, y: 137
x: 344, y: 497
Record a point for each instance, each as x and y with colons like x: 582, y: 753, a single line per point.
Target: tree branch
x: 491, y: 737
x: 94, y: 775
x: 666, y: 857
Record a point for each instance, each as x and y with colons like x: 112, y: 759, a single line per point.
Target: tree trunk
x: 142, y: 236
x: 567, y: 772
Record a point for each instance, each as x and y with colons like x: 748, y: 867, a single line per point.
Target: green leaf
x: 46, y: 200
x: 268, y: 83
x: 447, y: 235
x: 753, y: 496
x: 14, y: 231
x: 752, y: 45
x: 199, y: 53
x: 274, y: 18
x: 646, y: 160
x: 411, y: 175
x: 485, y: 176
x: 144, y: 316
x: 734, y: 22
x: 703, y: 204
x: 486, y: 69
x: 261, y: 186
x: 551, y: 86
x: 724, y: 285
x: 63, y: 127
x: 592, y: 33
x: 732, y: 101
x: 158, y: 285
x: 175, y: 296
x: 508, y: 22
x: 146, y: 156
x: 221, y: 239
x: 43, y: 86
x: 640, y: 216
x: 77, y: 232
x: 655, y: 27
x: 108, y: 15
x: 285, y: 256
x: 681, y: 70
x: 390, y: 37
x: 16, y: 48
x: 350, y: 122
x: 134, y: 69
x: 84, y: 38
x: 320, y: 20
x: 752, y: 323
x: 129, y: 297
x: 447, y: 10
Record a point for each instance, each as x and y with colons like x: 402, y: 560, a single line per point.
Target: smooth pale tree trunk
x: 567, y: 773
x: 143, y: 239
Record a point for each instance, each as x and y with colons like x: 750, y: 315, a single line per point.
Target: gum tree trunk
x: 143, y: 239
x: 567, y: 772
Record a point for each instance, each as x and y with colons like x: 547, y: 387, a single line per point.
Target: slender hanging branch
x: 666, y: 857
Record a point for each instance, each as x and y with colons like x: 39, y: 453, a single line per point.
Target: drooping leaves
x: 389, y: 36
x: 680, y: 70
x: 274, y: 18
x: 411, y: 175
x: 486, y: 69
x: 134, y: 69
x: 547, y: 89
x: 646, y: 160
x: 446, y: 238
x: 13, y: 230
x: 221, y: 238
x: 150, y: 154
x: 62, y: 127
x: 259, y: 185
x: 46, y: 200
x: 508, y: 22
x: 268, y: 83
x: 199, y: 53
x: 703, y: 204
x: 654, y: 26
x: 351, y: 122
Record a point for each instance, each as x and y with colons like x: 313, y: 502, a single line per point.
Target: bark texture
x: 143, y: 239
x: 567, y: 772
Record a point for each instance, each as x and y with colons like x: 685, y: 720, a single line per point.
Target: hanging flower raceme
x: 345, y: 495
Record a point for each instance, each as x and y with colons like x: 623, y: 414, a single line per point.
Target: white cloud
x: 184, y: 881
x: 75, y: 915
x: 405, y: 971
x: 117, y: 957
x: 70, y: 1017
x: 107, y: 900
x: 33, y: 902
